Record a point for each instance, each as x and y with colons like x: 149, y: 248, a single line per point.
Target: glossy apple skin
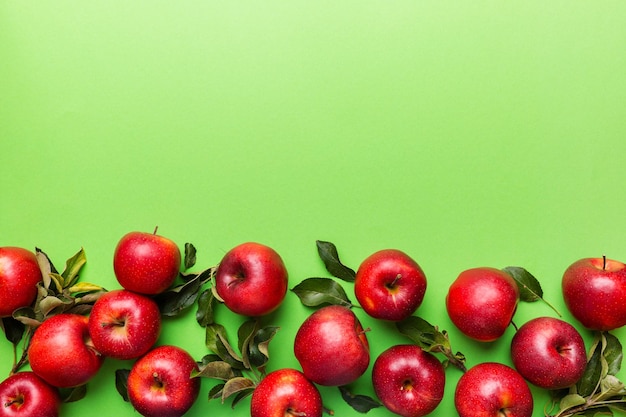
x: 124, y: 325
x: 481, y: 302
x: 159, y: 383
x: 408, y: 381
x: 25, y: 394
x: 331, y: 346
x: 19, y: 275
x: 595, y: 293
x: 61, y: 351
x: 146, y: 263
x: 251, y: 279
x: 390, y: 285
x: 549, y: 353
x: 492, y: 390
x: 286, y: 392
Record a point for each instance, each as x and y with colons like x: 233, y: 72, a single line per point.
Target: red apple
x: 19, y: 275
x: 251, y: 279
x: 594, y: 290
x: 286, y: 392
x: 390, y: 285
x: 61, y: 351
x: 481, y: 302
x: 146, y: 262
x: 25, y: 394
x: 493, y: 390
x: 331, y: 346
x: 549, y: 352
x: 160, y: 383
x: 124, y: 324
x: 408, y: 381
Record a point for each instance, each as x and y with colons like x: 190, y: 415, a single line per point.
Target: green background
x: 483, y: 133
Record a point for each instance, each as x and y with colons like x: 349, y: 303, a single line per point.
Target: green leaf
x: 13, y: 329
x: 529, y: 287
x: 314, y: 292
x: 216, y: 370
x: 571, y: 400
x: 217, y: 342
x: 71, y: 395
x: 360, y: 403
x: 72, y: 268
x: 190, y: 256
x: 121, y: 382
x: 593, y: 372
x: 176, y: 300
x: 328, y: 252
x: 216, y: 391
x: 613, y: 353
x: 204, y: 314
x: 27, y: 316
x: 259, y: 348
x: 241, y: 395
x: 46, y: 267
x: 245, y: 336
x: 237, y: 385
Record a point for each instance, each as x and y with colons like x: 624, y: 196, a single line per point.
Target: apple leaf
x: 328, y: 252
x: 216, y: 370
x: 360, y: 403
x: 314, y: 292
x: 177, y: 299
x: 216, y: 391
x: 204, y: 314
x: 613, y: 353
x: 121, y: 382
x: 190, y: 256
x: 429, y: 338
x: 73, y: 394
x: 72, y: 268
x: 259, y: 348
x: 529, y: 287
x: 13, y: 329
x: 596, y: 369
x: 237, y: 385
x: 245, y: 335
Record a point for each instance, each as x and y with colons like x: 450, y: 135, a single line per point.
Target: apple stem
x: 155, y: 230
x: 394, y: 282
x: 328, y: 411
x: 604, y: 262
x: 296, y: 413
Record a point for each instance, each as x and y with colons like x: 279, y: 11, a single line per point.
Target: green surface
x: 485, y: 133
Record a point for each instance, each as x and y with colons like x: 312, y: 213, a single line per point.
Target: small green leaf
x: 314, y: 292
x: 46, y: 267
x: 593, y: 372
x: 571, y: 400
x: 13, y: 329
x: 204, y: 314
x: 236, y: 385
x: 529, y: 287
x: 176, y: 300
x: 217, y: 342
x: 215, y: 370
x: 71, y: 395
x: 613, y: 353
x: 27, y: 316
x: 328, y: 252
x: 216, y: 391
x: 360, y: 403
x: 84, y: 287
x: 241, y: 395
x: 72, y: 268
x: 190, y: 256
x: 121, y: 382
x: 259, y: 348
x: 245, y: 336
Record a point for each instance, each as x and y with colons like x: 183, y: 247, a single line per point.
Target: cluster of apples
x: 330, y: 345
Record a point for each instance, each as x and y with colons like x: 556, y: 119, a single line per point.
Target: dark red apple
x: 124, y: 324
x: 492, y: 389
x: 331, y: 346
x: 251, y: 279
x: 25, y: 394
x: 160, y: 383
x: 146, y: 262
x: 61, y: 351
x: 390, y: 285
x: 408, y: 381
x: 481, y: 302
x: 286, y: 393
x: 549, y: 353
x: 19, y: 275
x: 594, y: 290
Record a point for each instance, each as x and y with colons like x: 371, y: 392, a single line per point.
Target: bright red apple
x: 408, y: 381
x: 25, y: 394
x: 492, y: 389
x: 146, y: 262
x: 124, y: 324
x: 481, y: 302
x: 19, y: 275
x: 331, y: 346
x: 61, y: 351
x: 251, y: 279
x: 549, y: 353
x: 390, y: 285
x: 594, y: 290
x: 286, y: 392
x: 160, y: 383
